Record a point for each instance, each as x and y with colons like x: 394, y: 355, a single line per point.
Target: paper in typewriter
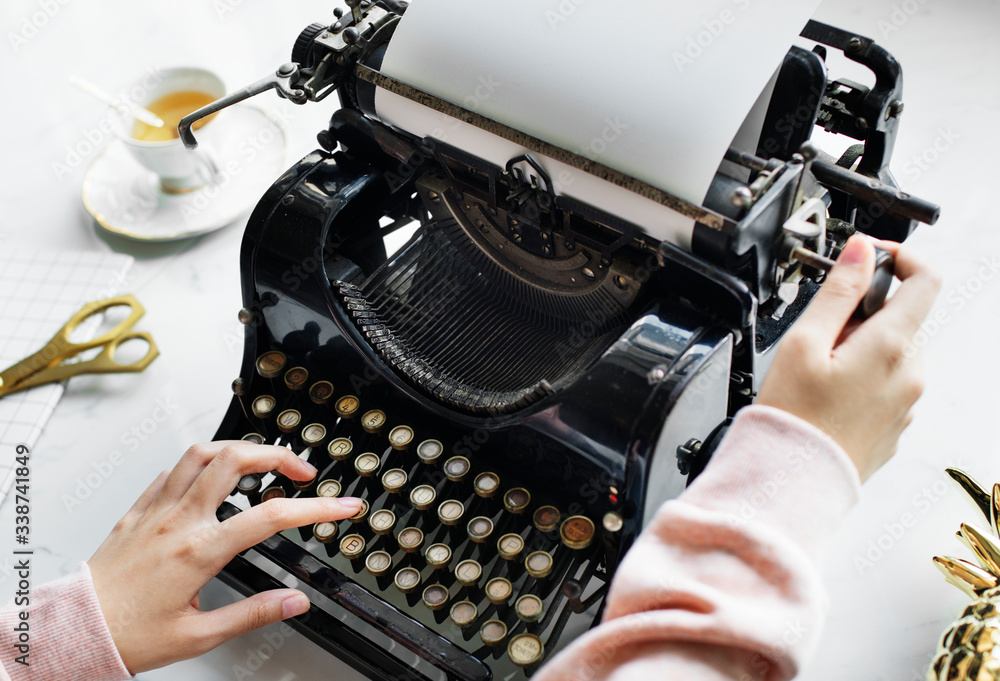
x: 656, y: 89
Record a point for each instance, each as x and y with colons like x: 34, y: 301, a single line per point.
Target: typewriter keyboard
x: 479, y: 557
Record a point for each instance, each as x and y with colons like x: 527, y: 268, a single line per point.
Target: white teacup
x: 180, y: 170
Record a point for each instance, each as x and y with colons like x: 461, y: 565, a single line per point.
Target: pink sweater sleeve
x: 723, y: 584
x: 68, y: 638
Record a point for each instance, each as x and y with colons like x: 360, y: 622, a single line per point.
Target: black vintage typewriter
x: 517, y: 388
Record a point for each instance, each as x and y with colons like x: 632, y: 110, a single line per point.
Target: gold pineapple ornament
x: 970, y: 648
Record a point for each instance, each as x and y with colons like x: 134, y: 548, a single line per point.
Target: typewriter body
x: 518, y: 387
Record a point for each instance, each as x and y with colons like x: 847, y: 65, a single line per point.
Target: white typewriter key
x: 407, y: 580
x: 313, y: 434
x: 546, y: 518
x: 486, y: 484
x: 479, y: 529
x: 373, y: 420
x: 528, y: 608
x: 510, y: 546
x: 296, y: 378
x: 577, y: 532
x: 382, y: 521
x: 273, y: 493
x: 339, y: 449
x: 347, y: 406
x: 429, y: 451
x: 320, y: 392
x: 410, y: 539
x: 271, y: 363
x: 463, y: 613
x: 525, y: 650
x: 248, y: 484
x: 456, y: 468
x: 435, y: 597
x: 328, y: 488
x: 378, y: 563
x: 538, y: 564
x: 325, y: 532
x: 422, y: 496
x: 438, y: 555
x: 289, y: 420
x: 516, y: 500
x: 613, y: 522
x: 366, y: 465
x: 352, y: 546
x: 264, y: 406
x: 361, y: 514
x: 255, y: 438
x: 468, y: 572
x: 450, y: 512
x: 493, y: 632
x: 394, y: 480
x: 400, y: 437
x: 499, y: 590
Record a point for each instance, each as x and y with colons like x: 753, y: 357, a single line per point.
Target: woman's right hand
x: 856, y: 381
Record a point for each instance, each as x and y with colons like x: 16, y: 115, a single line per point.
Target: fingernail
x: 854, y: 253
x: 312, y: 469
x: 352, y: 504
x: 294, y: 605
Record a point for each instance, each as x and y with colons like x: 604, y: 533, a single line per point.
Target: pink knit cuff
x: 776, y: 469
x: 69, y: 638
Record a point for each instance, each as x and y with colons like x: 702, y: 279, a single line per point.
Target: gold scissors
x: 46, y: 365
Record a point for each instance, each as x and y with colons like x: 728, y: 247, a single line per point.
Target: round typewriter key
x: 479, y: 529
x: 516, y: 500
x: 272, y: 493
x: 613, y: 522
x: 373, y: 420
x: 410, y: 539
x: 248, y: 484
x: 577, y: 532
x: 303, y: 484
x: 325, y: 532
x: 525, y: 650
x: 486, y: 484
x: 366, y: 465
x: 493, y: 632
x: 438, y: 555
x: 463, y: 613
x: 510, y: 546
x: 264, y: 406
x: 378, y: 563
x: 362, y: 512
x: 394, y: 480
x: 347, y: 406
x: 468, y: 572
x: 546, y: 518
x: 382, y: 521
x: 271, y: 363
x: 400, y: 437
x: 456, y: 468
x: 422, y: 496
x: 499, y: 590
x: 321, y: 392
x: 435, y: 597
x: 313, y: 434
x: 255, y: 438
x: 450, y: 512
x: 528, y: 608
x: 296, y: 378
x: 328, y: 488
x: 339, y: 448
x: 429, y: 451
x: 407, y: 580
x: 289, y: 420
x: 539, y: 564
x: 352, y: 546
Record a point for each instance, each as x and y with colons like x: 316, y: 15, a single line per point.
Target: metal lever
x: 885, y: 266
x: 283, y: 80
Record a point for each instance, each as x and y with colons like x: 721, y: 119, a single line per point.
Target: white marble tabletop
x: 888, y: 603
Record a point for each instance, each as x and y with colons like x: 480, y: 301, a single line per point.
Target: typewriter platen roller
x: 517, y: 387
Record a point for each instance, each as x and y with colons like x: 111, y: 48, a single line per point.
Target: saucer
x: 125, y: 198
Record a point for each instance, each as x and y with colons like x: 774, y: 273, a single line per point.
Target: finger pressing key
x: 236, y: 459
x: 253, y: 526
